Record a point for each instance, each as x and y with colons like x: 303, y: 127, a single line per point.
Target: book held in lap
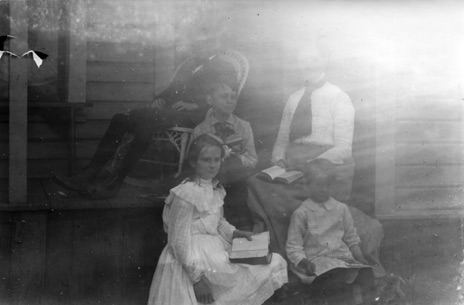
x: 324, y: 264
x: 254, y: 252
x: 279, y: 174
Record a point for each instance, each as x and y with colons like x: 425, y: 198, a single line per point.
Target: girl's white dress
x: 199, y: 239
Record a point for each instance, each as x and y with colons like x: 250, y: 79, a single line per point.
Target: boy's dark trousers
x: 233, y: 176
x: 332, y: 286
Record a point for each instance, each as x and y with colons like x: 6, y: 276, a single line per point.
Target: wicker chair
x: 179, y: 137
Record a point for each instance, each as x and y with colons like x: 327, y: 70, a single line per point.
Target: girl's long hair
x: 196, y: 147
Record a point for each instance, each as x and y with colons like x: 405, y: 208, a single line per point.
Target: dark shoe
x: 78, y: 183
x: 280, y: 294
x: 108, y: 188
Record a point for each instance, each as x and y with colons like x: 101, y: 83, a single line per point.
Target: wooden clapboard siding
x: 430, y: 108
x: 429, y: 198
x: 429, y: 175
x: 105, y: 110
x: 123, y: 73
x: 429, y: 154
x: 119, y: 91
x: 120, y: 52
x: 429, y: 131
x: 429, y: 169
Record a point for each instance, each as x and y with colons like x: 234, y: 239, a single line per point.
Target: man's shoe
x: 76, y: 183
x: 108, y: 188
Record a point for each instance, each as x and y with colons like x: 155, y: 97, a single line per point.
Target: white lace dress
x: 198, y: 242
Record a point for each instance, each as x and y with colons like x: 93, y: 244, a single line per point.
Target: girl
x: 194, y: 266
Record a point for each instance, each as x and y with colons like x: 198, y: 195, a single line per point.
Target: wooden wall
x: 429, y: 153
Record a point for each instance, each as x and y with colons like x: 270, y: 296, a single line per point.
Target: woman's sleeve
x: 225, y: 229
x: 350, y: 238
x: 179, y: 237
x: 295, y: 238
x: 281, y: 143
x: 343, y: 131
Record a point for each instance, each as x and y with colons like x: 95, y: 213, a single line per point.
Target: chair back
x: 240, y: 64
x: 194, y: 64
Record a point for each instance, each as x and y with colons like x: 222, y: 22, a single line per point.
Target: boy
x: 322, y: 238
x: 240, y: 158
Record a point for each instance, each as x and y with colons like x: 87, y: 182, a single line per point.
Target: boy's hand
x: 227, y: 151
x: 184, y: 106
x: 202, y: 291
x: 307, y: 266
x: 357, y: 254
x: 245, y: 234
x: 158, y: 103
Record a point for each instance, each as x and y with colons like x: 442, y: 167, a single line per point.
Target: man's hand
x: 281, y: 163
x: 184, y: 106
x: 202, y: 291
x: 239, y: 233
x: 158, y: 103
x: 307, y: 266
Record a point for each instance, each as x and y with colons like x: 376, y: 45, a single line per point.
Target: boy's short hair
x: 319, y: 167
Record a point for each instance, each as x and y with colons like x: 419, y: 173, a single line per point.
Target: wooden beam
x: 77, y: 51
x: 18, y: 104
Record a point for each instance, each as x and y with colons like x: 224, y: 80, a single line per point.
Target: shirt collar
x: 314, y: 206
x: 230, y: 120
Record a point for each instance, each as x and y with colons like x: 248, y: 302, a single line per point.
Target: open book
x: 231, y: 141
x: 323, y: 264
x: 279, y: 174
x: 254, y: 252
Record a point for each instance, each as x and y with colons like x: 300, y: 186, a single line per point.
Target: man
x: 181, y: 104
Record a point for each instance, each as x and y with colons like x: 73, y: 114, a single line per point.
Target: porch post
x: 77, y: 51
x: 17, y: 181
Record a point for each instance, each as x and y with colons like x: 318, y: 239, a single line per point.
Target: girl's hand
x: 183, y: 106
x: 307, y: 266
x: 159, y: 103
x: 202, y: 291
x: 239, y: 233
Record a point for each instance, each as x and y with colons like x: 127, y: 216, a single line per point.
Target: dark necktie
x: 223, y: 130
x: 302, y: 118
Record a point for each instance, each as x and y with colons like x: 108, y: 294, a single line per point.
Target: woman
x: 317, y: 122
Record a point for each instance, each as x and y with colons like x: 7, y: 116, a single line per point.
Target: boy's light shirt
x: 242, y: 128
x: 321, y: 230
